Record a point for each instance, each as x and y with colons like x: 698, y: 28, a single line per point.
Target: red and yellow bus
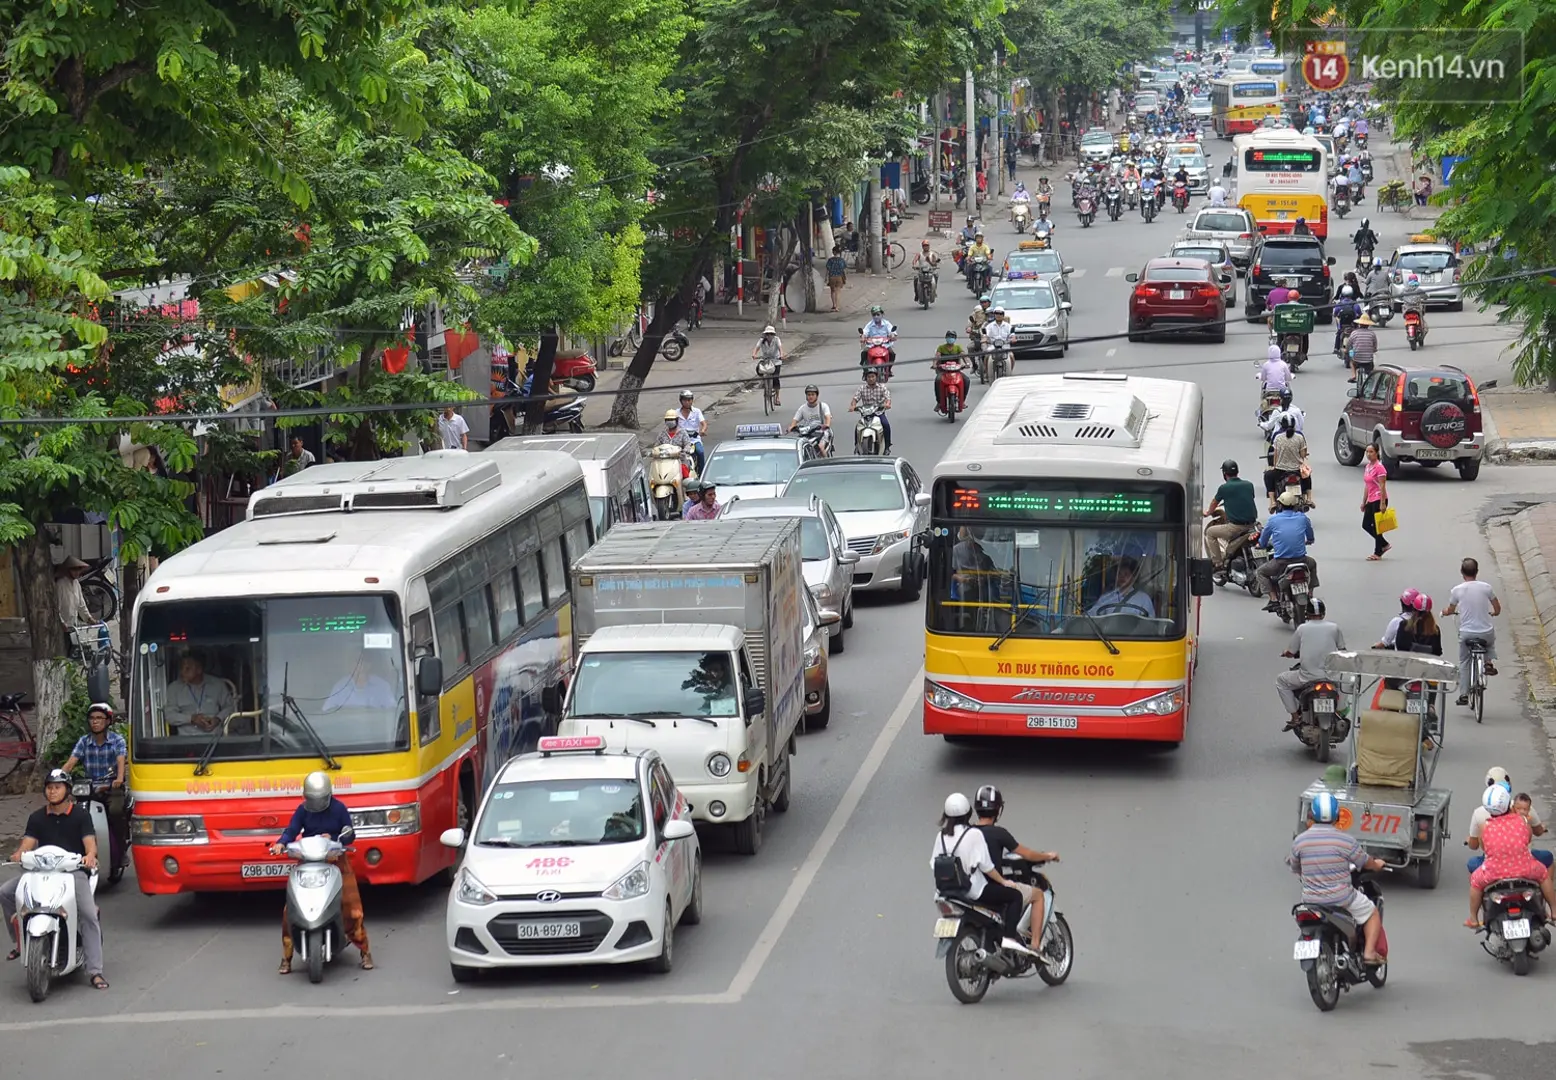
x: 403, y: 625
x: 1064, y: 524
x: 1239, y: 103
x: 1283, y: 175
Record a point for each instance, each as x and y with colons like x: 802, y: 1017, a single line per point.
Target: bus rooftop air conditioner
x: 1073, y: 417
x: 428, y: 482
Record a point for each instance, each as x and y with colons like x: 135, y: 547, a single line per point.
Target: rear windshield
x: 1424, y: 387
x: 1176, y: 273
x: 1429, y: 261
x: 1303, y: 255
x: 1210, y: 255
x: 1222, y: 223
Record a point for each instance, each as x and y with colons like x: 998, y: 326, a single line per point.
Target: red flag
x: 395, y: 359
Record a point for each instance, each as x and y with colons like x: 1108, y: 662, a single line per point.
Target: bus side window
x: 421, y: 645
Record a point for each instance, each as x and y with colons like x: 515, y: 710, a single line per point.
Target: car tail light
x: 1474, y: 396
x: 1147, y: 290
x: 1209, y: 291
x: 1326, y: 273
x: 1245, y: 236
x: 1456, y: 273
x: 1257, y: 269
x: 1399, y: 395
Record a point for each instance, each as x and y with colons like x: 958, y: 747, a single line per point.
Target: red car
x: 1177, y: 292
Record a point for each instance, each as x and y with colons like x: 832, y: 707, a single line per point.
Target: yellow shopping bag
x: 1385, y: 521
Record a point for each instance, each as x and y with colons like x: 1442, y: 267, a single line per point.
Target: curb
x: 1522, y: 566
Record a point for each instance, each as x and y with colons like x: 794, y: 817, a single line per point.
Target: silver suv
x: 829, y: 564
x: 883, y: 508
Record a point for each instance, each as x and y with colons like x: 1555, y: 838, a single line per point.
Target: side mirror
x: 429, y: 676
x: 848, y: 558
x: 755, y: 703
x: 1201, y: 579
x: 1226, y: 279
x: 1352, y: 391
x: 829, y: 617
x: 454, y: 838
x: 1131, y: 278
x: 1068, y: 270
x: 921, y: 499
x: 677, y: 829
x: 1065, y: 305
x: 347, y: 835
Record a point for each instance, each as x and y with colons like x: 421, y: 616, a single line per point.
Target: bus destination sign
x: 1025, y: 501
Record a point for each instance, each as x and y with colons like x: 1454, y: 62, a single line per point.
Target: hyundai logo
x: 550, y: 896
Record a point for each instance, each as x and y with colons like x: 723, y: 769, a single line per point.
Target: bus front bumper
x: 1156, y: 717
x: 243, y: 864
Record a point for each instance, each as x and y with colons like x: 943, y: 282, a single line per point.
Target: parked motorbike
x: 969, y: 938
x: 1295, y: 594
x: 1021, y: 216
x: 669, y: 467
x: 1329, y: 947
x: 1114, y: 200
x: 1321, y: 724
x: 951, y: 383
x: 47, y: 924
x: 674, y: 345
x: 313, y: 901
x: 567, y: 415
x: 1513, y: 917
x: 575, y: 369
x: 113, y: 845
x: 869, y: 436
x: 1180, y: 197
x: 979, y: 275
x: 1088, y: 211
x: 925, y: 282
x: 506, y: 418
x: 1415, y: 330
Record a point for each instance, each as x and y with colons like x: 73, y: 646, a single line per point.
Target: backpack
x: 951, y: 877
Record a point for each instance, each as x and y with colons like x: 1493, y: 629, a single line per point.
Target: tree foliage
x: 1078, y: 46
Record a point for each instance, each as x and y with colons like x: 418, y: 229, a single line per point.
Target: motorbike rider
x: 1235, y: 499
x: 1505, y: 840
x: 706, y: 507
x: 1218, y: 194
x: 813, y: 410
x: 988, y: 805
x: 1347, y: 308
x: 695, y: 424
x: 1288, y: 451
x: 1286, y: 536
x: 675, y: 435
x: 1498, y: 775
x: 1322, y: 856
x: 1414, y: 298
x: 871, y: 392
x: 878, y: 327
x: 102, y: 753
x: 1022, y: 196
x: 924, y: 259
x: 1311, y: 644
x: 1357, y: 178
x: 978, y: 250
x: 1148, y: 187
x: 1045, y: 191
x: 996, y: 334
x: 321, y: 814
x: 969, y: 230
x: 978, y: 319
x: 769, y: 352
x: 1366, y: 241
x: 1275, y: 372
x: 958, y: 839
x: 949, y: 348
x: 62, y: 823
x: 1340, y: 187
x: 1363, y: 350
x: 1407, y: 611
x: 1300, y: 228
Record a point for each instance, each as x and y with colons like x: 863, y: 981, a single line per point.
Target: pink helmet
x: 1408, y: 598
x: 1423, y: 602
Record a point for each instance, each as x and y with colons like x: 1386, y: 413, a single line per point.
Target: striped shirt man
x: 1364, y: 346
x: 1323, y: 857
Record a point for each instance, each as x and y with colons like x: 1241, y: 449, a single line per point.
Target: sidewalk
x: 14, y: 811
x: 1520, y: 424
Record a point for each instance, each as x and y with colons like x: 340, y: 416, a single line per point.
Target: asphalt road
x: 815, y: 957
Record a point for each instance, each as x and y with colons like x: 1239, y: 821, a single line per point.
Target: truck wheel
x: 748, y: 833
x: 781, y: 803
x: 1429, y: 871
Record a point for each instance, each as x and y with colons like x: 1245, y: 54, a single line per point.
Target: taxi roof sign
x: 563, y: 744
x: 757, y: 431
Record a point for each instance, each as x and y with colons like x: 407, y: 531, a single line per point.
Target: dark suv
x: 1293, y: 261
x: 1428, y: 415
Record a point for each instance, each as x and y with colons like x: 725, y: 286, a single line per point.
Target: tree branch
x: 111, y: 79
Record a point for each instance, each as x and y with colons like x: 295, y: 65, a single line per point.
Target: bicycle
x: 17, y: 742
x: 101, y: 595
x: 1476, y: 690
x: 768, y: 374
x: 893, y: 254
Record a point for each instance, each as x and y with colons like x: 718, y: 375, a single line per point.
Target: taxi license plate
x: 251, y: 871
x: 1306, y: 950
x: 548, y: 928
x: 1298, y: 590
x: 1416, y: 705
x: 1433, y: 455
x: 1053, y: 723
x: 945, y: 928
x: 1515, y: 929
x: 1323, y: 704
x: 1177, y: 294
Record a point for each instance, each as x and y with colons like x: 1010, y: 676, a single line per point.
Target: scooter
x: 1042, y: 233
x: 1269, y: 400
x: 575, y: 369
x: 1329, y: 948
x: 1380, y: 309
x: 1180, y: 197
x: 869, y: 436
x: 818, y: 436
x: 1132, y: 193
x: 113, y: 843
x: 673, y: 347
x: 569, y: 415
x: 47, y: 923
x: 313, y: 900
x: 669, y: 467
x: 968, y: 938
x: 925, y: 282
x: 1415, y: 330
x: 1021, y: 216
x: 979, y: 274
x: 1295, y: 595
x: 878, y: 354
x: 1342, y: 200
x: 1088, y: 211
x: 1320, y: 723
x: 1512, y: 917
x: 1114, y: 201
x: 1148, y: 208
x: 1243, y: 558
x: 952, y: 387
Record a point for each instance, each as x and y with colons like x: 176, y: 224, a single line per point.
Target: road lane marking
x: 1115, y: 271
x: 1112, y: 352
x: 746, y: 977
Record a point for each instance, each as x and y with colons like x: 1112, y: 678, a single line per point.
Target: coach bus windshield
x: 269, y: 677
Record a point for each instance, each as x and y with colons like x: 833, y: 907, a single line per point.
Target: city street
x: 815, y: 957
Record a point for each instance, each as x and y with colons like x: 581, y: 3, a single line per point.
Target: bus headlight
x: 168, y: 830
x: 943, y: 698
x: 1164, y: 704
x: 370, y: 821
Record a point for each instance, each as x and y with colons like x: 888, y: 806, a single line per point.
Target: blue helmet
x: 1326, y: 808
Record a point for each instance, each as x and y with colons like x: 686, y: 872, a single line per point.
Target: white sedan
x: 578, y: 855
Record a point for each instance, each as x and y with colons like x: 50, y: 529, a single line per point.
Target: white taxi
x: 579, y: 855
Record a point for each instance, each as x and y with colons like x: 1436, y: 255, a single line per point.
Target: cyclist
x: 769, y: 354
x: 1476, y: 604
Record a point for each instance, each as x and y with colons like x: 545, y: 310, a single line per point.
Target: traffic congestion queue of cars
x: 684, y: 712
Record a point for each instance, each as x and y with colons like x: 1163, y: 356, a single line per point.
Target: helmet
x: 989, y: 802
x: 1301, y: 221
x: 1498, y: 775
x: 686, y: 395
x: 1289, y: 499
x: 1316, y: 610
x: 971, y: 219
x: 1408, y: 598
x: 870, y: 372
x: 876, y: 309
x: 1346, y: 290
x: 1229, y: 467
x: 1021, y: 185
x: 1325, y: 808
x: 1497, y: 800
x: 102, y: 707
x: 1288, y: 422
x: 1365, y: 223
x: 997, y: 310
x: 1377, y: 262
x: 978, y: 235
x: 985, y: 298
x: 1423, y: 602
x: 57, y: 776
x: 812, y: 388
x: 957, y: 806
x: 672, y: 416
x: 317, y: 791
x: 924, y: 242
x: 950, y: 335
x: 1412, y: 279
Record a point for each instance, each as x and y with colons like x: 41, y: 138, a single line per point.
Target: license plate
x: 1323, y: 704
x: 1022, y: 337
x: 549, y: 928
x: 266, y: 870
x: 1298, y: 590
x: 1416, y: 705
x: 1433, y: 455
x: 1306, y: 950
x: 945, y: 928
x: 1515, y: 929
x: 1053, y: 723
x: 1177, y: 294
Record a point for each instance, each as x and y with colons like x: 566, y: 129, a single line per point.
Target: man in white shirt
x: 68, y: 596
x: 1218, y: 194
x: 195, y: 703
x: 453, y: 430
x: 1125, y: 598
x: 1476, y: 604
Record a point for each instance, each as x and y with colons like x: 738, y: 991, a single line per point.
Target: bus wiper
x: 1015, y: 623
x: 288, y: 702
x: 1097, y: 629
x: 203, y: 768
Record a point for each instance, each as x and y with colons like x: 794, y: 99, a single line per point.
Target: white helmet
x: 957, y: 806
x: 1498, y: 775
x: 317, y: 791
x: 1346, y: 290
x: 1497, y: 799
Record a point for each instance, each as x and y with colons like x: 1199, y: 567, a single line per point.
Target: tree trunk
x: 50, y: 671
x: 783, y: 253
x: 51, y: 684
x: 667, y: 312
x: 364, y: 440
x: 539, y: 404
x: 805, y: 229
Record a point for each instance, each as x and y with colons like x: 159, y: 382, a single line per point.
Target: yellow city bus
x: 1239, y: 103
x: 1065, y: 564
x: 1283, y: 175
x: 404, y: 625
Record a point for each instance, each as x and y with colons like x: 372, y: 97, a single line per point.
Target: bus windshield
x: 269, y: 677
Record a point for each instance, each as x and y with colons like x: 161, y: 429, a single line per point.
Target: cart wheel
x: 1429, y: 872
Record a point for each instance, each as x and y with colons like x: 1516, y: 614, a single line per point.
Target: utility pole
x: 997, y: 153
x: 970, y: 167
x: 873, y: 254
x: 934, y: 165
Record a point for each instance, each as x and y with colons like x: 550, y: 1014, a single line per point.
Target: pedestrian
x: 453, y: 430
x: 300, y: 457
x: 1375, y: 500
x: 837, y: 274
x: 1423, y: 189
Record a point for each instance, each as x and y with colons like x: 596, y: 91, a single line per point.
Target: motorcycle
x: 1132, y: 193
x: 1363, y: 261
x: 47, y: 925
x: 673, y: 347
x: 1366, y: 168
x: 869, y: 436
x: 1042, y: 233
x: 1180, y: 196
x: 1291, y: 349
x: 1330, y: 949
x: 999, y: 363
x: 878, y: 354
x: 1114, y: 200
x: 505, y: 419
x: 969, y: 938
x: 1148, y: 208
x: 313, y: 900
x: 1361, y: 140
x: 1380, y: 309
x: 1021, y: 215
x: 1342, y: 200
x: 1415, y: 330
x: 669, y: 467
x: 1269, y: 402
x: 1513, y: 917
x: 569, y: 415
x: 952, y: 386
x: 1295, y: 594
x: 818, y: 436
x: 925, y: 282
x: 109, y: 839
x: 979, y: 275
x: 1321, y: 724
x: 1243, y: 557
x: 1347, y: 328
x: 575, y: 369
x: 1088, y: 211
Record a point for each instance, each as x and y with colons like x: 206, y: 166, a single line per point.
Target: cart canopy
x: 1388, y: 664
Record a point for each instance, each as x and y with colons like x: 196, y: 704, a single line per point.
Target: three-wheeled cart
x: 1397, y: 705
